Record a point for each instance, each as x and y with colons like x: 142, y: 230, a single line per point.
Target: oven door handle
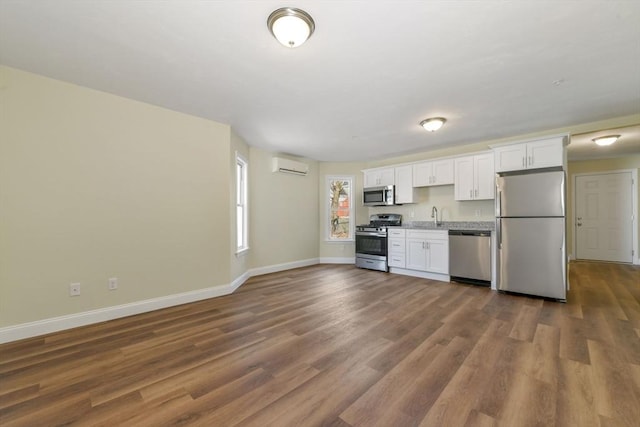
x: 370, y: 233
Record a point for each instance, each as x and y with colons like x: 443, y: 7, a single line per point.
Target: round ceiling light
x: 291, y: 26
x: 433, y: 124
x: 606, y: 140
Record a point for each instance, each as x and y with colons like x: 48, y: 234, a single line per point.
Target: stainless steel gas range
x: 371, y: 241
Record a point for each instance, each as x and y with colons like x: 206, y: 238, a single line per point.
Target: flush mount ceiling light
x: 606, y: 140
x: 291, y: 26
x: 433, y: 124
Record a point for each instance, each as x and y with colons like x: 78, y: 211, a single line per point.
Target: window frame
x: 352, y: 214
x: 242, y: 202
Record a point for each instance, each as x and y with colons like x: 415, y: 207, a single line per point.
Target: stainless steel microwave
x: 379, y: 196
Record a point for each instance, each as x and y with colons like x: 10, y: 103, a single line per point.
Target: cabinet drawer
x: 396, y: 260
x: 396, y: 246
x: 396, y: 233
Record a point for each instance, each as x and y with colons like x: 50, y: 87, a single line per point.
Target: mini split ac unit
x: 289, y: 166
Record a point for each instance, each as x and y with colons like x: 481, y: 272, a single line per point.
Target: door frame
x: 634, y: 209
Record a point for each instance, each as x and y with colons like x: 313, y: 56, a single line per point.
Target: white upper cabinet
x: 404, y: 184
x: 542, y: 153
x: 379, y: 177
x: 437, y: 172
x: 474, y: 177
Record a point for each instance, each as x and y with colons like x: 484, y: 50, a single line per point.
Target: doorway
x: 604, y: 216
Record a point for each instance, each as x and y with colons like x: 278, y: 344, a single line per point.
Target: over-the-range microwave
x: 379, y: 196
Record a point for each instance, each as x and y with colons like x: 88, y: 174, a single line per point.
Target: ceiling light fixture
x: 606, y: 140
x: 433, y: 124
x: 291, y: 26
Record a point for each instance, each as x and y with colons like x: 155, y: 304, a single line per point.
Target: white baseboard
x: 338, y: 260
x: 55, y: 324
x: 281, y: 267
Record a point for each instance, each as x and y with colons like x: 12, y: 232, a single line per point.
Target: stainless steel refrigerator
x: 531, y: 233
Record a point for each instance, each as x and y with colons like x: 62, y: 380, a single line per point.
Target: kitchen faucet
x: 434, y: 215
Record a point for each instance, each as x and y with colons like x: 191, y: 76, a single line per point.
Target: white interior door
x: 604, y: 217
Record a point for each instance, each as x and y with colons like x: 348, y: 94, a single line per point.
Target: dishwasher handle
x: 470, y: 233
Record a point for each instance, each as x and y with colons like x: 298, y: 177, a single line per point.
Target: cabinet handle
x: 470, y: 194
x: 531, y: 161
x: 476, y: 192
x: 523, y: 162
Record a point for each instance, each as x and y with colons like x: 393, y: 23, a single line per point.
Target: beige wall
x: 283, y: 212
x: 589, y: 166
x: 94, y: 186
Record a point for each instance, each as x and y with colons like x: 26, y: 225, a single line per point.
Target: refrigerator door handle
x: 499, y: 236
x: 499, y: 206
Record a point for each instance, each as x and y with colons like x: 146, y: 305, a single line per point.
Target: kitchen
x: 465, y: 250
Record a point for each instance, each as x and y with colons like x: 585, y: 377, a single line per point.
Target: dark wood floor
x: 340, y: 346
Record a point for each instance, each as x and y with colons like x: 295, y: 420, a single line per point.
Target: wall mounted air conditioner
x: 289, y: 166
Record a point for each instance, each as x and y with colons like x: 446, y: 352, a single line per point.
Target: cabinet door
x: 379, y: 177
x: 484, y: 177
x: 545, y: 153
x: 371, y: 179
x: 404, y: 184
x: 510, y: 157
x: 386, y: 176
x: 438, y: 256
x: 443, y: 172
x: 422, y: 174
x: 464, y: 185
x: 416, y: 255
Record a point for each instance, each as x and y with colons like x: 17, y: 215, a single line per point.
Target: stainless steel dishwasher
x: 470, y: 256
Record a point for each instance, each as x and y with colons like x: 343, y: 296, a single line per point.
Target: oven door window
x: 371, y: 245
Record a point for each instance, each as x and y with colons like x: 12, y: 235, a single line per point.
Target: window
x: 242, y: 240
x: 340, y: 225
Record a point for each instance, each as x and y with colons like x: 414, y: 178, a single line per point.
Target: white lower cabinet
x: 427, y: 250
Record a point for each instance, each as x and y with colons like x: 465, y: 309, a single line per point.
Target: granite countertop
x: 450, y: 225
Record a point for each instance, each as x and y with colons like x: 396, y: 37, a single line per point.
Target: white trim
x: 281, y: 267
x: 55, y: 324
x: 338, y: 260
x: 634, y: 208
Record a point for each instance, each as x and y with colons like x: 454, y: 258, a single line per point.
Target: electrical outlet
x: 412, y: 214
x: 478, y: 212
x: 113, y: 283
x: 74, y: 289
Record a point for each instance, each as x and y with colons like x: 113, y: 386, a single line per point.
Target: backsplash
x: 442, y: 197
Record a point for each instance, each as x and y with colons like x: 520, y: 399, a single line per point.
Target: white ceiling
x: 369, y: 74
